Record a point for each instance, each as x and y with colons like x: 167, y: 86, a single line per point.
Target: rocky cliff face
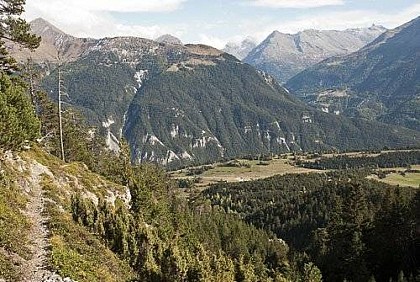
x: 284, y: 55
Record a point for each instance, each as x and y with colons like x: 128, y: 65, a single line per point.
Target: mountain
x: 217, y: 107
x: 242, y: 49
x: 168, y: 39
x: 55, y: 44
x: 285, y: 55
x: 183, y: 104
x: 381, y: 81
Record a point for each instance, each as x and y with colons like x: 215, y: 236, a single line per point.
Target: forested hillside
x: 224, y: 108
x: 73, y: 209
x: 353, y: 229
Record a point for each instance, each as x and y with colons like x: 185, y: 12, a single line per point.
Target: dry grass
x: 250, y: 171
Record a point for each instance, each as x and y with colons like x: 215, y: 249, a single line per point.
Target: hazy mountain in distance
x: 380, y: 81
x: 285, y: 55
x: 169, y: 39
x: 242, y: 49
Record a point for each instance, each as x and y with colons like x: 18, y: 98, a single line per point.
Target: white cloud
x: 131, y: 5
x: 213, y: 41
x: 298, y: 4
x: 91, y: 18
x: 333, y: 20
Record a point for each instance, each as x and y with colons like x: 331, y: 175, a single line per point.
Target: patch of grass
x: 14, y: 226
x: 36, y: 153
x: 90, y: 181
x: 409, y: 179
x: 248, y: 170
x: 7, y: 269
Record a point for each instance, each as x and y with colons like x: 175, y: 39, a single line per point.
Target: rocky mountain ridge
x: 284, y: 55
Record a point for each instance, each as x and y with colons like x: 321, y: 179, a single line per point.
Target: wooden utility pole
x: 60, y: 118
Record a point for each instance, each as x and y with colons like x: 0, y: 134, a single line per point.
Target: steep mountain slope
x: 215, y: 106
x: 242, y: 49
x: 102, y: 82
x: 61, y: 220
x: 39, y: 240
x: 180, y: 104
x: 285, y: 55
x: 380, y: 81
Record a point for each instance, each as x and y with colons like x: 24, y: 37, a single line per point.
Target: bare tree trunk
x: 60, y: 114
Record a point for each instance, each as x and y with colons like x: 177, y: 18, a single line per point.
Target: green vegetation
x: 97, y: 90
x: 18, y: 122
x: 238, y: 170
x: 203, y: 108
x: 163, y: 240
x: 345, y: 224
x: 111, y: 221
x: 75, y: 252
x: 7, y: 269
x: 14, y: 226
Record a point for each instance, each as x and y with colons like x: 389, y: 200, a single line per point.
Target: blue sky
x: 215, y: 22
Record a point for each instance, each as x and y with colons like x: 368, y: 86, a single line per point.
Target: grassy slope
x: 75, y: 252
x: 14, y: 226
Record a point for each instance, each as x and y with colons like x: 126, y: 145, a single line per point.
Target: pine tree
x: 311, y: 273
x: 18, y: 122
x: 14, y: 29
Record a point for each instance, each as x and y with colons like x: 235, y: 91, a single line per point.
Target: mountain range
x: 285, y: 55
x: 380, y: 81
x: 182, y: 104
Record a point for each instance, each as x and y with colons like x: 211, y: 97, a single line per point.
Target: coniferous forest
x: 353, y: 229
